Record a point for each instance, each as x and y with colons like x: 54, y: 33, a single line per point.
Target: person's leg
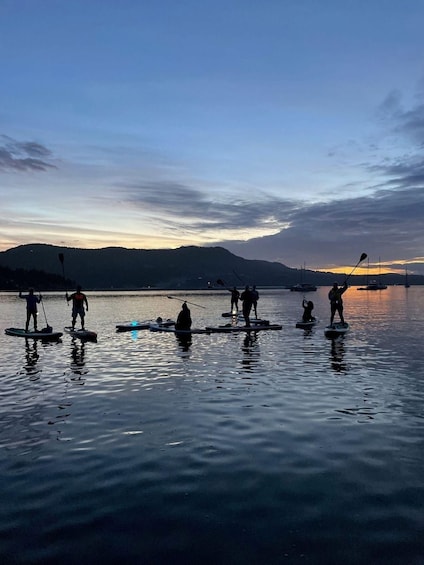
x: 28, y: 317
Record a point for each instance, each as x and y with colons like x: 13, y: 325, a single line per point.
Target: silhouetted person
x: 235, y: 295
x: 31, y: 307
x: 255, y: 294
x: 184, y: 318
x: 308, y: 306
x: 247, y: 298
x: 79, y: 300
x: 336, y: 301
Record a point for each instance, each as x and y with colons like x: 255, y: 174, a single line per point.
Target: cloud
x: 402, y: 121
x: 23, y: 156
x: 205, y: 210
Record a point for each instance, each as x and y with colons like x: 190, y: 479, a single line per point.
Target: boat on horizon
x: 303, y: 287
x: 374, y: 285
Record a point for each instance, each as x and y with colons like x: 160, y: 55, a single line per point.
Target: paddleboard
x: 337, y: 329
x: 46, y: 335
x: 160, y: 328
x: 228, y: 328
x: 85, y: 335
x: 131, y: 326
x: 306, y: 325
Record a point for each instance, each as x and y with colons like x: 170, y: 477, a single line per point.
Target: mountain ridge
x: 187, y: 267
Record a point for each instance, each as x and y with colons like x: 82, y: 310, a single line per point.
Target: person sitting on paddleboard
x: 78, y: 301
x: 336, y: 301
x: 31, y: 307
x: 184, y: 318
x: 248, y: 299
x: 308, y: 306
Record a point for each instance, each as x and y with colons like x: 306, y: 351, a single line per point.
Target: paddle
x: 45, y: 317
x: 362, y: 257
x: 62, y: 260
x: 192, y: 303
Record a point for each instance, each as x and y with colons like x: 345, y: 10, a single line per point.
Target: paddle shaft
x: 192, y: 303
x: 362, y: 258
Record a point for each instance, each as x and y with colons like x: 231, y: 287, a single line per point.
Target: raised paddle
x: 192, y: 303
x: 62, y: 260
x: 362, y: 258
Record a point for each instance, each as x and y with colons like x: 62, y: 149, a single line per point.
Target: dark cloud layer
x: 204, y: 211
x: 23, y: 156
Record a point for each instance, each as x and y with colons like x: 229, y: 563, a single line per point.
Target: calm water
x: 283, y: 448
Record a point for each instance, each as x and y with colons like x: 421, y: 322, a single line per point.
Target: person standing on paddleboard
x: 248, y: 299
x: 79, y: 300
x: 31, y: 307
x: 255, y: 294
x: 235, y: 295
x: 336, y: 301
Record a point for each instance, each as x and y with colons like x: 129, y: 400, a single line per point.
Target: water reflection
x: 250, y: 349
x: 337, y: 355
x: 184, y: 342
x: 78, y: 360
x: 31, y: 356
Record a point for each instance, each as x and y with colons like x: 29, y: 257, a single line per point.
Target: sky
x: 283, y: 130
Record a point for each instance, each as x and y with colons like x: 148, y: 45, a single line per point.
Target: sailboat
x: 373, y: 284
x: 303, y: 286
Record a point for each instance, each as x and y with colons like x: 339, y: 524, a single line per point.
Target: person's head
x: 335, y: 285
x: 246, y: 287
x: 310, y: 304
x: 185, y: 307
x: 31, y: 291
x: 79, y: 288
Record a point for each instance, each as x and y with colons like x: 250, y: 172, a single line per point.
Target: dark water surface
x: 284, y: 447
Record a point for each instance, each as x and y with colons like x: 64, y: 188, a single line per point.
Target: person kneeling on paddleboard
x: 78, y: 301
x: 336, y: 301
x: 308, y: 306
x: 184, y: 318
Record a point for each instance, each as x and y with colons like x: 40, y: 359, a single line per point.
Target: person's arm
x: 86, y: 302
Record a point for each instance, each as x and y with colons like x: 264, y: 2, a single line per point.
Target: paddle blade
x: 363, y: 256
x: 220, y: 281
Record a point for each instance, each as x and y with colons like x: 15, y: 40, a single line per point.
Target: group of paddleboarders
x: 249, y: 298
x: 79, y: 301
